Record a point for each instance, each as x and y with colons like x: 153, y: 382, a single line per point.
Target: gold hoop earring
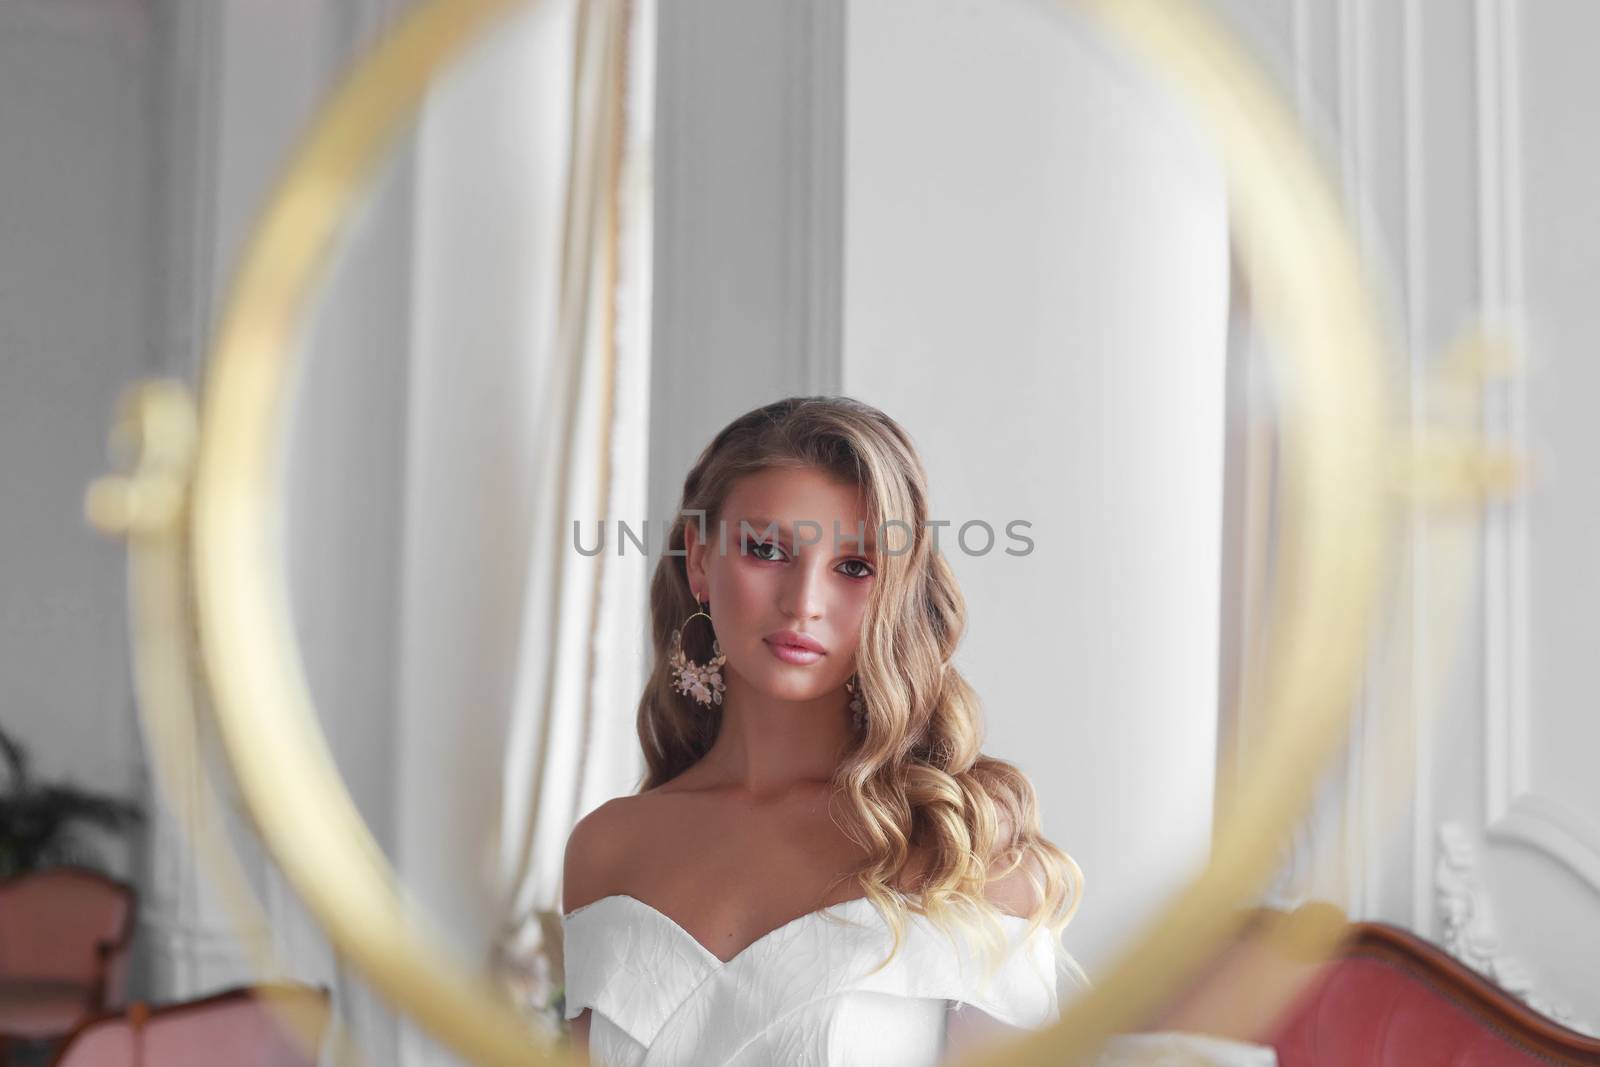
x: 702, y: 681
x: 858, y: 706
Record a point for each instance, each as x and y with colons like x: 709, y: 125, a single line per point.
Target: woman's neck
x: 766, y: 748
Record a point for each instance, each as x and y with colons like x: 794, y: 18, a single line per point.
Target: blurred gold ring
x: 1295, y: 248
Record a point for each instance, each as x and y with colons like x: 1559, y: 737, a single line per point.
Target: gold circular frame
x: 1302, y: 263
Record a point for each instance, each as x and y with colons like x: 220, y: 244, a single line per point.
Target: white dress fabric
x: 800, y: 995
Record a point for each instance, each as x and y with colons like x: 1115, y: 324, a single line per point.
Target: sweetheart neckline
x: 724, y: 963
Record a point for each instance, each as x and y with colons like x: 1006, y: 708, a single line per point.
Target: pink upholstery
x: 64, y: 936
x: 270, y: 1026
x: 1376, y: 1012
x: 1386, y: 998
x: 43, y: 1008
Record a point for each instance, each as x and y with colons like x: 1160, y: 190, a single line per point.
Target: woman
x: 816, y: 815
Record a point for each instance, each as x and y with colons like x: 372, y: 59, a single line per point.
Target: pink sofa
x: 1393, y: 999
x: 253, y: 1026
x: 1387, y: 998
x: 65, y: 933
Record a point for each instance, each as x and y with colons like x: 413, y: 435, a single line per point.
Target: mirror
x: 996, y: 301
x: 484, y: 597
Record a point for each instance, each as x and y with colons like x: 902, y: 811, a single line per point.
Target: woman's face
x: 782, y: 574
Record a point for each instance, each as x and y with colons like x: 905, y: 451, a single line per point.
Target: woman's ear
x: 694, y: 562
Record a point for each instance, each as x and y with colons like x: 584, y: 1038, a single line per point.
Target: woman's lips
x: 781, y: 646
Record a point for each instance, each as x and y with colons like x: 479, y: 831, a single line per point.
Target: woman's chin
x: 785, y: 686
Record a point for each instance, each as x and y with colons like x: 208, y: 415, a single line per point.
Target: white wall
x: 77, y: 308
x: 982, y: 282
x: 748, y: 209
x: 1036, y: 273
x: 1465, y: 133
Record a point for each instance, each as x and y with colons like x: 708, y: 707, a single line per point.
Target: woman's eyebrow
x: 847, y: 535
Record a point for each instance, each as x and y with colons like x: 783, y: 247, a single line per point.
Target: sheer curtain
x: 571, y: 741
x: 513, y: 660
x: 476, y: 377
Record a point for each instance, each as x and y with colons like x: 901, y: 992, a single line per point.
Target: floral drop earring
x: 702, y: 681
x: 858, y: 706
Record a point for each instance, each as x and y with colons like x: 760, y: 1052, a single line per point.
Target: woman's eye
x: 757, y: 548
x: 864, y: 571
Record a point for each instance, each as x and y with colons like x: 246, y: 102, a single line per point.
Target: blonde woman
x: 820, y: 866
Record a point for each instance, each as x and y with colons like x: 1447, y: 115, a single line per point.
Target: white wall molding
x: 185, y: 957
x: 1515, y: 811
x: 1330, y: 76
x: 814, y: 191
x: 1554, y: 829
x: 1300, y: 52
x: 189, y: 92
x: 1504, y: 664
x: 749, y: 211
x: 1468, y: 930
x: 1420, y: 696
x: 1428, y: 127
x: 185, y: 943
x: 1356, y: 129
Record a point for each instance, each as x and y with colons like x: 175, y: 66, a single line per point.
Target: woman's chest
x: 727, y: 878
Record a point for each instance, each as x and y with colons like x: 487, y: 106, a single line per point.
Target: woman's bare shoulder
x: 1018, y: 892
x: 597, y: 848
x: 1015, y: 891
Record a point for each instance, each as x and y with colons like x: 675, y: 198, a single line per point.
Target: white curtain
x: 521, y: 323
x: 475, y: 375
x: 571, y: 740
x: 520, y: 656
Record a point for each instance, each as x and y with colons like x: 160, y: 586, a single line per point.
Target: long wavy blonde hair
x: 915, y: 778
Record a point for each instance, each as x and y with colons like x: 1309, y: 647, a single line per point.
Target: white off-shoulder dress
x: 799, y: 996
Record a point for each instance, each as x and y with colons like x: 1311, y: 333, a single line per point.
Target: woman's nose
x: 804, y: 590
